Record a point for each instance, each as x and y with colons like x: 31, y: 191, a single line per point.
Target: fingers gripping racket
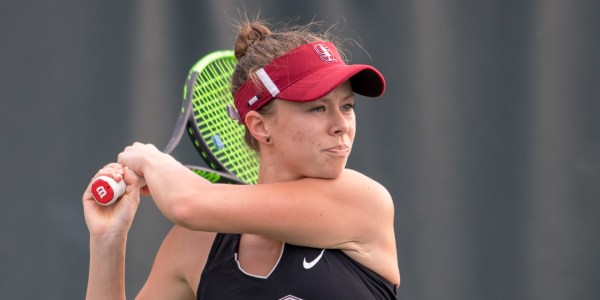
x: 204, y: 116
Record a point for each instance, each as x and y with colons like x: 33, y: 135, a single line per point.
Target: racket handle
x: 106, y: 190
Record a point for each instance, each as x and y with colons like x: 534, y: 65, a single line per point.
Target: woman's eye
x: 348, y: 107
x: 318, y: 109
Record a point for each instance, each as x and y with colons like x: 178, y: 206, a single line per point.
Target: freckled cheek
x: 301, y: 139
x: 297, y: 137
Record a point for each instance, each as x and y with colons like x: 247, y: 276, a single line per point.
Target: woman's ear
x: 257, y: 126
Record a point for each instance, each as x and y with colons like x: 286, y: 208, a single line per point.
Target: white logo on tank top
x: 290, y: 297
x: 308, y: 265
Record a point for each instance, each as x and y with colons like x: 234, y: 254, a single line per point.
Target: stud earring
x: 268, y: 139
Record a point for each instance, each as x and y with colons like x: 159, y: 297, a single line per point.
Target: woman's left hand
x: 138, y: 157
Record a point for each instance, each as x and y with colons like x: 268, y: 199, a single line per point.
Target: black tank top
x: 301, y: 273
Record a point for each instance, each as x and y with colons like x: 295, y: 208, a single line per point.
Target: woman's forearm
x: 107, y: 268
x: 172, y: 192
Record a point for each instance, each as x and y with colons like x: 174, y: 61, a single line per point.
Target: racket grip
x: 106, y: 190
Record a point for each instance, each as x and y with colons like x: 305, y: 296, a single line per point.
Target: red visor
x: 306, y: 73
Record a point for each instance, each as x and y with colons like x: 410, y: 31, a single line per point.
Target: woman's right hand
x: 114, y: 219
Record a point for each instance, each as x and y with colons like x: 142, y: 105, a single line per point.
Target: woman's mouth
x: 341, y: 150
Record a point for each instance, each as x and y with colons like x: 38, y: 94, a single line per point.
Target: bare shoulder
x: 370, y: 194
x: 179, y: 263
x: 355, y: 177
x: 191, y: 249
x: 377, y: 248
x: 363, y: 188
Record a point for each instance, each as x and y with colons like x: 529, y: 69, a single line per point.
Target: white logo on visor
x: 324, y: 53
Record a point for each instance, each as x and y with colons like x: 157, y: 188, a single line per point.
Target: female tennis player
x: 310, y: 228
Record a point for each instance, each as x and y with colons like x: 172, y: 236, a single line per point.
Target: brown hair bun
x: 249, y: 34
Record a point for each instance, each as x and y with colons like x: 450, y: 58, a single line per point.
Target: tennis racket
x: 205, y: 117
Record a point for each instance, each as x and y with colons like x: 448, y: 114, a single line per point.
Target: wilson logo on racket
x: 324, y: 53
x: 101, y: 191
x: 106, y: 190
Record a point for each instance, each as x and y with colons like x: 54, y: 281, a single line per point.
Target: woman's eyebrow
x: 327, y: 99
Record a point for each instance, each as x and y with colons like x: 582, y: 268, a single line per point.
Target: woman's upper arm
x: 324, y: 213
x: 178, y: 265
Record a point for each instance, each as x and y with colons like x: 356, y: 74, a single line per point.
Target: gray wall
x: 488, y: 136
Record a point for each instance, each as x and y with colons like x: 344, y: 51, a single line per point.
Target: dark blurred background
x: 488, y: 136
